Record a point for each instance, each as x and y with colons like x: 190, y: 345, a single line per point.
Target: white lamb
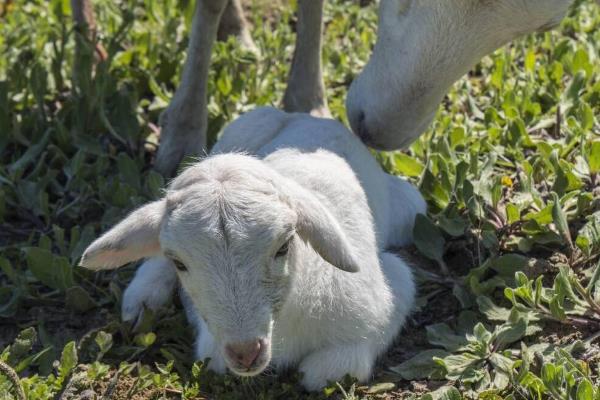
x: 254, y: 238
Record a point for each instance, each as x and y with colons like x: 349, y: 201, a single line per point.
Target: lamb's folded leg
x: 333, y: 362
x: 305, y: 90
x: 152, y: 287
x: 207, y: 347
x: 183, y: 123
x: 405, y: 203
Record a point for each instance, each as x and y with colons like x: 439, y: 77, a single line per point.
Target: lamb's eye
x: 179, y: 265
x: 283, y: 250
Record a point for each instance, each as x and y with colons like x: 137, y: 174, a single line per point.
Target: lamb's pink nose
x: 244, y: 353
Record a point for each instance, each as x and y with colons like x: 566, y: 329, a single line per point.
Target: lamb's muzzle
x: 249, y: 357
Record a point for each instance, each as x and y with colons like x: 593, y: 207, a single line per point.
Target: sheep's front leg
x: 85, y: 23
x: 152, y: 287
x: 334, y: 362
x: 305, y: 90
x: 183, y: 123
x: 234, y: 23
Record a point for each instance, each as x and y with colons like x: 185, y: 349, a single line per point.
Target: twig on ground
x: 14, y: 378
x: 111, y: 387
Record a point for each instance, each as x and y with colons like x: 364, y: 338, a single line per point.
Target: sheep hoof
x: 182, y: 134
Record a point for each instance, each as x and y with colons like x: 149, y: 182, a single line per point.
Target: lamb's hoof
x: 142, y: 295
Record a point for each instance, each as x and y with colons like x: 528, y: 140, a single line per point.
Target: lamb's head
x: 234, y: 228
x: 422, y: 48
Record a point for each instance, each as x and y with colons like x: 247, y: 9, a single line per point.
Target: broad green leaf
x: 557, y: 309
x: 68, y: 360
x: 432, y: 189
x: 491, y: 310
x: 145, y: 339
x: 406, y: 165
x: 585, y: 390
x: 594, y: 279
x: 420, y: 366
x: 156, y: 184
x: 31, y: 154
x: 454, y: 226
x: 461, y: 366
x: 594, y: 157
x: 512, y: 213
x: 104, y: 341
x: 510, y: 333
x: 78, y: 299
x: 21, y: 346
x: 8, y: 270
x: 129, y: 170
x: 548, y: 372
x: 542, y: 217
x: 443, y: 393
x: 588, y: 238
x: 53, y: 271
x: 442, y: 335
x: 501, y: 362
x: 560, y: 219
x: 509, y: 264
x: 428, y: 238
x: 530, y: 60
x: 581, y: 62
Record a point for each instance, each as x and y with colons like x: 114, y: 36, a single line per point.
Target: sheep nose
x: 361, y: 128
x: 244, y: 353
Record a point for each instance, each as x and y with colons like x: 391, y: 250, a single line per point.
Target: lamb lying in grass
x: 281, y: 250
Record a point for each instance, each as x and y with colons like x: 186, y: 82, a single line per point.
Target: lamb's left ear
x: 133, y: 238
x: 322, y: 230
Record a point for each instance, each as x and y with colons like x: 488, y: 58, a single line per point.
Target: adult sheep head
x: 422, y: 48
x: 234, y: 228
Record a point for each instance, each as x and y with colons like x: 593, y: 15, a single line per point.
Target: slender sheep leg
x: 85, y: 22
x: 183, y: 123
x: 234, y: 23
x: 305, y: 90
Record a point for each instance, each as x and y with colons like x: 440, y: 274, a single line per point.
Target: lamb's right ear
x: 133, y: 238
x: 317, y: 225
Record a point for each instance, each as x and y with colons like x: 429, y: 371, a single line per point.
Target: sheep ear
x: 320, y: 228
x: 131, y: 239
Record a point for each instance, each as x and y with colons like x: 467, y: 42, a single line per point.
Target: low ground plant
x: 507, y: 259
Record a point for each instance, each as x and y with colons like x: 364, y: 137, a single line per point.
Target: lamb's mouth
x: 256, y: 369
x: 251, y: 363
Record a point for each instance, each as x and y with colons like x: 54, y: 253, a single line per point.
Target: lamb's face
x: 232, y: 246
x: 231, y: 224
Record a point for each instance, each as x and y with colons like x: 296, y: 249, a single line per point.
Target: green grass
x: 508, y: 259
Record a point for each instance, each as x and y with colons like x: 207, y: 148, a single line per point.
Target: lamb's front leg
x: 183, y: 123
x: 152, y: 287
x: 334, y: 362
x: 207, y: 348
